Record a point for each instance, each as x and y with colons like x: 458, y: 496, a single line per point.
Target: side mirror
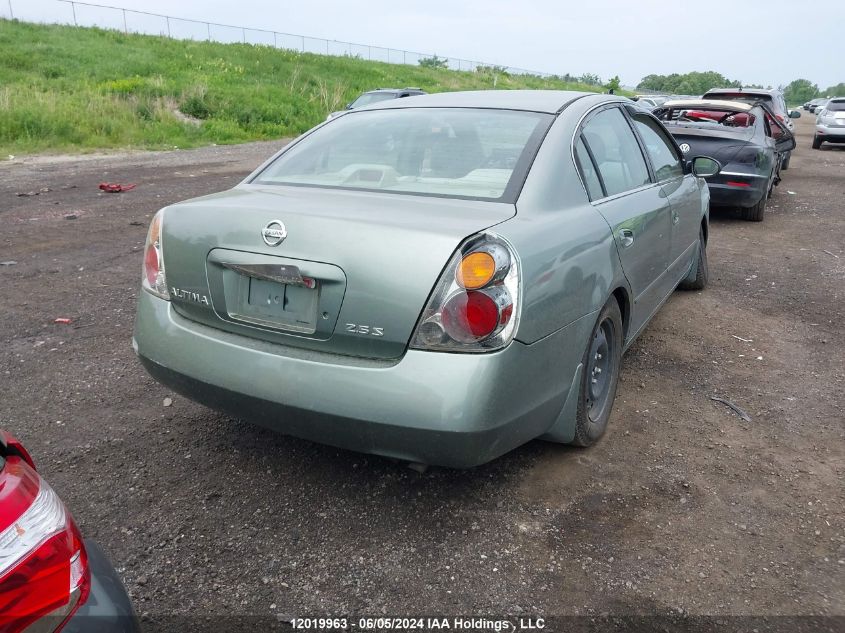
x: 704, y: 166
x: 794, y: 114
x: 349, y: 106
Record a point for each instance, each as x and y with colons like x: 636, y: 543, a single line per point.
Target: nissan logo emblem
x: 274, y: 233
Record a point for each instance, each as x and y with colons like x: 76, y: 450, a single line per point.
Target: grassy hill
x: 69, y: 89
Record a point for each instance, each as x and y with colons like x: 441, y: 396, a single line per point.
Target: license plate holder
x: 274, y: 304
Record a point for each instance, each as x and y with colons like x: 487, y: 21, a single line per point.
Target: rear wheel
x: 785, y: 164
x: 755, y: 213
x: 817, y: 142
x: 699, y: 272
x: 601, y: 376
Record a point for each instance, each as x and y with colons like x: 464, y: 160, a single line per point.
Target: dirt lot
x: 682, y: 508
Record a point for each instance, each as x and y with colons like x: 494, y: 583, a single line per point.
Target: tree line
x: 697, y: 83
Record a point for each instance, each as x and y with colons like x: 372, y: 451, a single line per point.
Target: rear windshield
x: 835, y: 106
x: 744, y: 97
x: 460, y: 153
x: 371, y: 98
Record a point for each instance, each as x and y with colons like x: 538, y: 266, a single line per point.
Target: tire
x: 601, y: 362
x: 785, y: 164
x: 817, y: 142
x: 699, y: 272
x: 755, y: 213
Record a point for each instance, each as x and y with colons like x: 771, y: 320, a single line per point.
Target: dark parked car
x: 746, y: 139
x: 375, y: 96
x: 817, y: 105
x: 772, y: 98
x: 50, y: 579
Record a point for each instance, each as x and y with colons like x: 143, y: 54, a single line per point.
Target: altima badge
x: 274, y: 233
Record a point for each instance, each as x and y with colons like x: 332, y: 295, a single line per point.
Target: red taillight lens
x: 736, y: 183
x: 154, y: 279
x: 43, y: 565
x: 470, y: 316
x: 151, y: 265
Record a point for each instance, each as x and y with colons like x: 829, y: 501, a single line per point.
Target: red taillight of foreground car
x: 43, y: 564
x: 474, y: 303
x: 154, y: 279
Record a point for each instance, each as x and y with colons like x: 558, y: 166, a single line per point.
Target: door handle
x: 626, y: 237
x: 675, y: 217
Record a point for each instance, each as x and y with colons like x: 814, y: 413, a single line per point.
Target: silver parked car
x: 830, y: 123
x: 437, y: 279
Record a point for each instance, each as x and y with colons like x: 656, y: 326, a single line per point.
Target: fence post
x: 125, y: 28
x: 73, y: 8
x: 11, y: 13
x: 208, y: 28
x: 243, y: 32
x: 303, y: 43
x: 403, y: 57
x: 275, y: 43
x: 168, y: 26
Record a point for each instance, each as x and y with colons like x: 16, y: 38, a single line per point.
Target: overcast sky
x: 768, y: 42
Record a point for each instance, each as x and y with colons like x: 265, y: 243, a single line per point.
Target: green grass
x: 80, y: 89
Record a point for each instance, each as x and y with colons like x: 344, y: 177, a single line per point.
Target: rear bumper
x: 456, y: 410
x: 830, y: 134
x: 108, y: 608
x: 724, y: 193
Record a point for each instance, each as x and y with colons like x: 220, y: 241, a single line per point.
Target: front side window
x: 616, y: 152
x: 455, y: 152
x: 660, y: 149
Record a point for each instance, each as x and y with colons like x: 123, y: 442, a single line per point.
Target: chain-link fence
x: 133, y: 21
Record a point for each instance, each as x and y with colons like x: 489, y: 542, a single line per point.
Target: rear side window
x: 588, y: 170
x: 835, y: 106
x: 664, y: 159
x: 616, y: 152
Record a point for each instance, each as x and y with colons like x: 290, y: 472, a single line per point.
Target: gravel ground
x: 683, y: 508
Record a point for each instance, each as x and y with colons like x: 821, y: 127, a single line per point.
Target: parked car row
x: 749, y: 131
x: 399, y: 280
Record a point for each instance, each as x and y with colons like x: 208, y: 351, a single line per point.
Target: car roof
x: 708, y: 103
x: 551, y: 101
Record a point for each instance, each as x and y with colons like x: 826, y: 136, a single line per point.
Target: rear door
x: 635, y: 208
x: 680, y: 188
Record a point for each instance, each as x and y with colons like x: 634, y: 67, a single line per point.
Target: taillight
x: 154, y: 279
x: 475, y: 304
x: 43, y: 564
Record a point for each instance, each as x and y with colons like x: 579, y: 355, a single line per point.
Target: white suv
x: 830, y: 123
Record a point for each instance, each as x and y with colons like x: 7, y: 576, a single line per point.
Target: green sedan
x: 437, y: 279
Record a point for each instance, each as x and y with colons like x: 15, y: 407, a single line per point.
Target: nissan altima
x: 437, y: 279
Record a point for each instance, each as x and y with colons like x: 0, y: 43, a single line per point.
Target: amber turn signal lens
x: 476, y: 270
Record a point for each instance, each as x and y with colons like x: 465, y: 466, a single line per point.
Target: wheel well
x: 621, y: 296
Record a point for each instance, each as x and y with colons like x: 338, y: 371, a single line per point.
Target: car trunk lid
x: 350, y: 277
